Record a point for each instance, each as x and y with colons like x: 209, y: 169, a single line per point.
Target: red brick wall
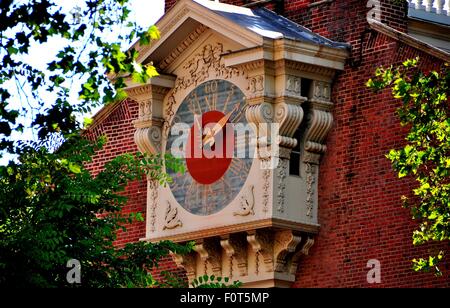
x: 359, y: 196
x: 119, y: 130
x: 360, y: 210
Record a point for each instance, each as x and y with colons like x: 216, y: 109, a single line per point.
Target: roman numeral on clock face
x: 211, y: 94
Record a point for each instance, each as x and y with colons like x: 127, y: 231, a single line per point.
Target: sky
x: 145, y: 12
x: 148, y: 12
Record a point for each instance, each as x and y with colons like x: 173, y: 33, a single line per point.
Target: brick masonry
x: 119, y: 130
x: 360, y: 211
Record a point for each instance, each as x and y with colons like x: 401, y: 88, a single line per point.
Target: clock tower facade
x: 252, y: 216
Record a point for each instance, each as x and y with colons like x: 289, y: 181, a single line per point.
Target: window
x: 294, y: 162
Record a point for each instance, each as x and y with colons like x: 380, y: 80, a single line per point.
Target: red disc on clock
x: 207, y: 162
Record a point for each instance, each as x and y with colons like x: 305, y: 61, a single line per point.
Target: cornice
x: 103, y: 113
x: 409, y: 40
x: 309, y: 68
x: 182, y: 47
x: 332, y: 58
x: 275, y: 223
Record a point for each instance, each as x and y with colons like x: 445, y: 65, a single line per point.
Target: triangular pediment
x: 247, y: 28
x: 184, y: 23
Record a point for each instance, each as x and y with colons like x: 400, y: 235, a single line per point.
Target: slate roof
x: 268, y: 24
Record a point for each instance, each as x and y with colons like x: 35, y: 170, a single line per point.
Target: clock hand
x: 209, y: 138
x: 222, y: 122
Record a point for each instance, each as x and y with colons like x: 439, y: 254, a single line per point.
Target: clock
x: 216, y: 147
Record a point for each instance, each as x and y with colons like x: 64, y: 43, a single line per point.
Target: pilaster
x: 150, y: 97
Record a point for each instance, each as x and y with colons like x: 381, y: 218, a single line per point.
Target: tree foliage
x: 213, y: 282
x: 51, y: 207
x: 54, y: 210
x: 169, y: 280
x: 88, y: 56
x: 425, y: 111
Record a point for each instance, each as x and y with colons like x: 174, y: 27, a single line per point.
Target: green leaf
x: 433, y: 216
x: 87, y: 122
x: 12, y: 50
x: 150, y: 70
x: 137, y: 77
x: 153, y: 32
x: 424, y: 113
x: 74, y: 168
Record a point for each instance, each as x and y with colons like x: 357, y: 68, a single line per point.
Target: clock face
x: 216, y: 149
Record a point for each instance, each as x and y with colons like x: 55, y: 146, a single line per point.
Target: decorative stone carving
x: 202, y: 65
x: 266, y: 189
x: 148, y: 139
x: 293, y: 86
x: 282, y: 172
x: 148, y: 134
x: 313, y: 69
x: 209, y: 251
x: 251, y: 66
x: 147, y: 96
x: 321, y: 91
x: 261, y: 116
x: 310, y: 191
x: 247, y: 203
x: 261, y: 113
x: 152, y: 196
x: 319, y: 124
x: 235, y: 247
x: 256, y: 85
x: 289, y: 118
x: 171, y: 218
x: 295, y: 259
x: 140, y: 93
x: 169, y: 113
x: 145, y: 110
x: 285, y: 243
x: 183, y: 46
x: 307, y: 246
x: 261, y: 244
x: 188, y: 262
x: 272, y: 252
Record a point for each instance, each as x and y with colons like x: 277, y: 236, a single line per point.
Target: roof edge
x: 104, y: 113
x: 409, y: 40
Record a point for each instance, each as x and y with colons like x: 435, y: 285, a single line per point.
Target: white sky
x: 145, y: 12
